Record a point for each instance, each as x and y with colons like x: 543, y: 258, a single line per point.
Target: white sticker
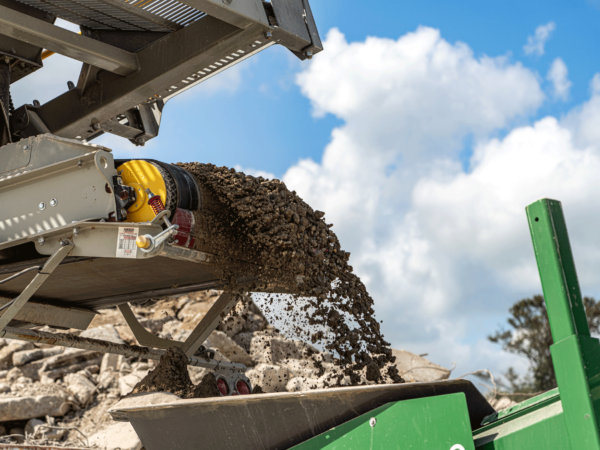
x: 457, y: 447
x: 126, y: 246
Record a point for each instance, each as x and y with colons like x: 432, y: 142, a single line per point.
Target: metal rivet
x: 124, y: 212
x: 227, y: 2
x: 53, y: 202
x: 76, y: 231
x: 26, y: 148
x: 309, y: 54
x: 41, y: 241
x: 268, y: 35
x: 79, y: 163
x: 372, y: 421
x: 64, y: 243
x: 42, y: 206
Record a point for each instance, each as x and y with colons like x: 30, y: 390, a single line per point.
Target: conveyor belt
x: 122, y: 15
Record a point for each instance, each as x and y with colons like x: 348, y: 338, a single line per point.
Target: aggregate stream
x: 258, y: 228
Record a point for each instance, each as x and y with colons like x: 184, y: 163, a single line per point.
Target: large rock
x: 118, y: 436
x: 269, y: 377
x: 39, y: 429
x: 414, y: 368
x: 228, y: 348
x: 80, y: 387
x: 24, y: 356
x: 37, y: 400
x: 6, y: 352
x: 105, y: 333
x: 128, y: 382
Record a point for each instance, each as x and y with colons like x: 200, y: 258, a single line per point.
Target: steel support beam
x: 45, y: 35
x: 165, y: 63
x: 209, y: 322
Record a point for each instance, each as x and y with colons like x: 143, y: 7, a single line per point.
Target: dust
x: 257, y: 228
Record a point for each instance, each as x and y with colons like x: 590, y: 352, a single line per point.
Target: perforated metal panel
x: 123, y: 15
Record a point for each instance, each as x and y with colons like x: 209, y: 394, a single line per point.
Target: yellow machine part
x: 142, y: 175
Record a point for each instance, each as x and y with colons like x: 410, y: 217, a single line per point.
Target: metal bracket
x: 143, y: 336
x: 36, y: 283
x: 209, y: 322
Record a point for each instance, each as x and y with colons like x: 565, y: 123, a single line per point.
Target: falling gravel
x: 258, y: 229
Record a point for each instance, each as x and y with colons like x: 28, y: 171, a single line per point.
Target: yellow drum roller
x: 176, y: 187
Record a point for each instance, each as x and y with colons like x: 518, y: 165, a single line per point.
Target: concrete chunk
x: 119, y: 436
x: 6, y: 352
x: 21, y: 408
x: 269, y: 377
x: 414, y: 368
x: 24, y: 356
x: 81, y: 387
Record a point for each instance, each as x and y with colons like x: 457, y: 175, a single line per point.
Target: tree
x: 530, y: 337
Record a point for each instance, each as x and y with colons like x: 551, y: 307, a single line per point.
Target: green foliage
x: 529, y: 336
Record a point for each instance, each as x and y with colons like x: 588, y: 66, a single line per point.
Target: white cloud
x: 559, y: 76
x: 255, y: 172
x: 443, y: 250
x: 535, y: 44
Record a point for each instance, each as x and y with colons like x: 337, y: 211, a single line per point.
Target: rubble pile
x: 57, y: 396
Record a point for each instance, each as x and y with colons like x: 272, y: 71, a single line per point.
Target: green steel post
x: 557, y: 269
x: 575, y: 355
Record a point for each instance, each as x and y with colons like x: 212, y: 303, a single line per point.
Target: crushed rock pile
x: 257, y: 227
x: 57, y: 396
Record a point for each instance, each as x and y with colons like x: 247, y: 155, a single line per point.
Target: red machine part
x: 222, y: 386
x: 155, y: 202
x: 242, y: 387
x: 186, y: 221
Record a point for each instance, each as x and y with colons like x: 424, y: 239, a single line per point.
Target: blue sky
x: 423, y: 130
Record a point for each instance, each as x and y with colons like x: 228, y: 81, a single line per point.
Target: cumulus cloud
x: 535, y: 44
x: 444, y: 249
x: 558, y: 75
x: 255, y: 172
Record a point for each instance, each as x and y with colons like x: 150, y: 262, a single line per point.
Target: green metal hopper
x: 450, y: 415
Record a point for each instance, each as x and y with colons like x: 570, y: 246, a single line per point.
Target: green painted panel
x: 525, y: 407
x: 542, y: 429
x: 432, y: 423
x: 577, y: 364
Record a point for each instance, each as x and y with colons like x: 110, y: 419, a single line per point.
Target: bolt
x: 41, y: 240
x: 12, y: 50
x: 26, y: 148
x: 64, y: 243
x: 227, y: 2
x: 79, y: 163
x: 53, y: 202
x: 140, y: 141
x: 96, y: 126
x: 372, y: 421
x: 76, y: 231
x: 36, y: 103
x: 309, y: 54
x: 124, y: 212
x: 42, y: 206
x: 70, y: 85
x: 268, y: 35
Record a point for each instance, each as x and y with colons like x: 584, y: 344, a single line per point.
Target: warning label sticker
x: 126, y: 246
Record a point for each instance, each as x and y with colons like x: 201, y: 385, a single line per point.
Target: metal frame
x: 45, y: 35
x: 117, y: 85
